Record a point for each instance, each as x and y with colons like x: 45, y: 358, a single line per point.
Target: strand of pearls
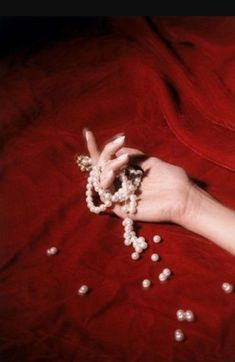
x: 130, y: 179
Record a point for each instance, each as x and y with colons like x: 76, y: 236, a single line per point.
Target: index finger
x: 92, y: 146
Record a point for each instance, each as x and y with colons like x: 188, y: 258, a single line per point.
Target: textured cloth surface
x: 169, y: 84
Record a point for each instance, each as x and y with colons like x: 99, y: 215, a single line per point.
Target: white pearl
x: 154, y: 257
x: 146, y: 283
x: 83, y: 290
x: 180, y: 314
x: 162, y: 277
x: 138, y: 249
x: 127, y: 221
x: 135, y: 256
x: 128, y: 228
x: 127, y: 242
x: 157, y: 238
x: 227, y: 287
x: 189, y: 316
x: 179, y: 335
x: 52, y: 251
x: 166, y: 272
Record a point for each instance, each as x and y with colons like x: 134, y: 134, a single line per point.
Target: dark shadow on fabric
x: 166, y: 41
x: 174, y: 94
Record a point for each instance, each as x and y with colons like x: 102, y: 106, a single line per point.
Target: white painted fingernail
x: 119, y: 140
x: 85, y: 133
x: 123, y: 157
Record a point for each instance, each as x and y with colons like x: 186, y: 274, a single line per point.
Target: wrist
x: 206, y: 216
x: 194, y: 201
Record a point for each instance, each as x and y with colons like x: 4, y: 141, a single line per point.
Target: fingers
x: 109, y: 173
x: 92, y: 146
x: 130, y: 151
x: 111, y: 148
x: 136, y: 157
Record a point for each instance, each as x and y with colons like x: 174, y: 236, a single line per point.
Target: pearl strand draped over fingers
x: 130, y: 179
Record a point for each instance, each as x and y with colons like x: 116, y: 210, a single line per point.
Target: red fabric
x: 169, y: 84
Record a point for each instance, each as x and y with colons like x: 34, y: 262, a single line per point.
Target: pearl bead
x: 166, y: 272
x: 180, y: 314
x: 127, y: 221
x: 52, y: 251
x: 156, y: 238
x: 83, y: 290
x: 154, y: 257
x: 135, y: 256
x: 146, y: 283
x: 179, y: 335
x: 162, y: 277
x: 128, y: 228
x: 227, y: 287
x: 189, y: 316
x: 138, y: 249
x: 127, y: 242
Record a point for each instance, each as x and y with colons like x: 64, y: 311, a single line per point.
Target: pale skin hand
x: 166, y: 193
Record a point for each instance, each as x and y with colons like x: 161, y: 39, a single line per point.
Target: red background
x: 169, y: 84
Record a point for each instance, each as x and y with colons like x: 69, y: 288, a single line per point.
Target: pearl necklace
x: 130, y: 179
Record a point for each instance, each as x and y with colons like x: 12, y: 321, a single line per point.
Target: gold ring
x: 84, y: 163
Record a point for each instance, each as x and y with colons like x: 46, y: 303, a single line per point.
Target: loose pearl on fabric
x: 156, y: 238
x: 162, y: 277
x: 146, y: 283
x: 52, y: 251
x: 83, y: 290
x: 135, y: 256
x: 155, y: 257
x: 179, y: 335
x: 227, y: 287
x: 189, y: 316
x: 180, y: 314
x: 166, y: 272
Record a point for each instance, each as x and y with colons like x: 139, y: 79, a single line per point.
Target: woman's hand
x: 166, y: 193
x: 165, y: 188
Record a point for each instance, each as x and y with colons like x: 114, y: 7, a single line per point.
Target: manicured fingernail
x: 123, y: 157
x: 119, y: 140
x: 85, y: 133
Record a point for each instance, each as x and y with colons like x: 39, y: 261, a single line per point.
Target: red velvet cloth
x: 169, y: 84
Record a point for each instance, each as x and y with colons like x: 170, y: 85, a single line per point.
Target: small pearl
x: 227, y: 287
x: 189, y: 316
x: 180, y: 314
x: 179, y: 335
x: 52, y: 251
x: 154, y: 257
x: 166, y: 272
x: 146, y: 283
x: 156, y: 238
x: 162, y: 277
x: 135, y: 256
x: 127, y: 242
x: 128, y: 228
x: 138, y: 249
x: 127, y: 221
x: 83, y: 290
